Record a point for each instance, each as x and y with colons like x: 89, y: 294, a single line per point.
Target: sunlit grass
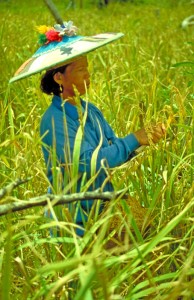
x: 133, y: 83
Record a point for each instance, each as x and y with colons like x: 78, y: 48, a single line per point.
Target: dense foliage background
x: 144, y: 77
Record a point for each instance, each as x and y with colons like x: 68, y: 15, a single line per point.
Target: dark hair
x: 48, y: 84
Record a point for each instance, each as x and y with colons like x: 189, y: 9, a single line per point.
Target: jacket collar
x: 68, y: 108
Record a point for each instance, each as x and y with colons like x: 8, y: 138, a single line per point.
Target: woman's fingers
x: 158, y: 132
x: 151, y: 134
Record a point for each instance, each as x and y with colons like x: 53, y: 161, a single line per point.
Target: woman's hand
x: 150, y: 134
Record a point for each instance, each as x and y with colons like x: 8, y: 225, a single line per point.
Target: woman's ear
x: 58, y: 77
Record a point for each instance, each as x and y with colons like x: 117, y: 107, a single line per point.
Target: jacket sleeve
x: 63, y: 140
x: 115, y: 154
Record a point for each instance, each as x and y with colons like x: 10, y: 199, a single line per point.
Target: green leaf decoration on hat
x: 42, y: 39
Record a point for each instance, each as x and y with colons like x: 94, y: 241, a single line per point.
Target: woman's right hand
x: 150, y: 134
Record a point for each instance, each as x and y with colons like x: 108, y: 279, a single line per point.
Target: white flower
x: 66, y: 29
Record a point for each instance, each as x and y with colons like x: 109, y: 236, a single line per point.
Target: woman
x: 60, y: 125
x: 78, y: 143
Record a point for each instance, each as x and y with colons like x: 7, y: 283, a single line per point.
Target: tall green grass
x: 133, y: 83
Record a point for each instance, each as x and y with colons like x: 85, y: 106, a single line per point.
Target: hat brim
x: 66, y: 53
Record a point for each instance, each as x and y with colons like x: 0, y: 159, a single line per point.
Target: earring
x: 60, y: 88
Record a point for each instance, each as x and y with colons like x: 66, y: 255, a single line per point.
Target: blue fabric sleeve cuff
x: 132, y: 142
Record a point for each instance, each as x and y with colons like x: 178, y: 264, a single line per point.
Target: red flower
x: 52, y: 36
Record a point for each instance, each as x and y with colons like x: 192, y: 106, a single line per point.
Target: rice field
x: 146, y: 76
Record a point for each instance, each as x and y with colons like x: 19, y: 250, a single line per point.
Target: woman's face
x: 76, y: 78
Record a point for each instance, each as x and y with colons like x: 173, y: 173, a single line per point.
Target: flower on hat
x: 55, y: 34
x: 52, y: 36
x: 43, y: 29
x: 66, y: 29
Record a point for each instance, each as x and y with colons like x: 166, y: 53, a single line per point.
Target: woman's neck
x: 72, y: 100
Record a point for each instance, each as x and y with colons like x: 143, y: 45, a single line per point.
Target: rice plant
x: 135, y: 81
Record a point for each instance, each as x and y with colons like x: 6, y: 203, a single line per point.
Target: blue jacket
x: 59, y: 127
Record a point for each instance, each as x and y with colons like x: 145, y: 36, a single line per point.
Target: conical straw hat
x: 61, y: 46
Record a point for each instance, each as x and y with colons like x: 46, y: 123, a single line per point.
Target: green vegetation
x: 136, y: 80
